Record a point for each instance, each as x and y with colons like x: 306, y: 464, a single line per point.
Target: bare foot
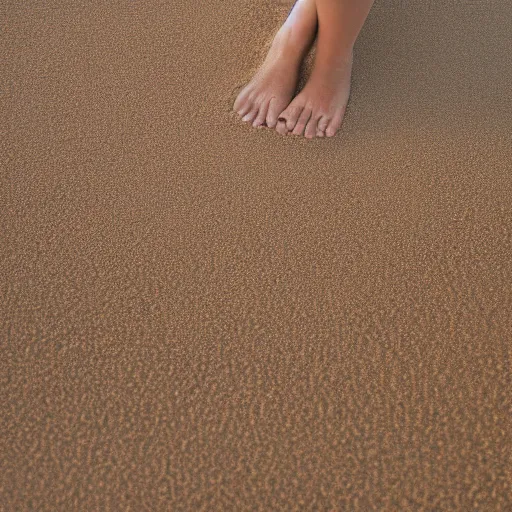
x: 271, y: 89
x: 319, y: 108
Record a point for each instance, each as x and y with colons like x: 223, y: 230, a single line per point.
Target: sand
x: 199, y: 315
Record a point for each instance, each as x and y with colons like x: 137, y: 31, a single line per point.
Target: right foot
x: 271, y: 89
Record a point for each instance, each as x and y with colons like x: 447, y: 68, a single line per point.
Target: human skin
x: 318, y: 109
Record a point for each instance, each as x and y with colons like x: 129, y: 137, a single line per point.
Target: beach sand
x: 199, y: 315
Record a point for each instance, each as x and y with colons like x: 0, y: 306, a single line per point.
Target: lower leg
x: 340, y: 22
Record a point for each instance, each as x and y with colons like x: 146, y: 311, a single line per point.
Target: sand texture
x: 201, y: 316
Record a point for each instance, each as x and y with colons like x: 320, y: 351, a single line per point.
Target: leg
x: 319, y: 108
x: 273, y: 86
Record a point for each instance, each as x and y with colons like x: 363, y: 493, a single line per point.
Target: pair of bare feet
x: 318, y: 109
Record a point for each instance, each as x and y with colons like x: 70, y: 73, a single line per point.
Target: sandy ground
x: 201, y: 316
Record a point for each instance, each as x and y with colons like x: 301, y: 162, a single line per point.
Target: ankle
x: 293, y: 40
x: 334, y: 57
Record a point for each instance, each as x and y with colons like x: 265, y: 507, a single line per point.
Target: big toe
x: 281, y: 127
x: 323, y: 123
x: 275, y: 107
x: 260, y: 119
x: 290, y: 115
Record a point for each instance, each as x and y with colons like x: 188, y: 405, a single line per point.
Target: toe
x: 274, y: 109
x: 335, y: 123
x: 291, y: 115
x: 262, y: 114
x: 240, y: 101
x: 301, y: 123
x: 245, y: 108
x: 281, y: 128
x: 249, y: 117
x: 323, y: 123
x: 311, y: 127
x: 320, y: 133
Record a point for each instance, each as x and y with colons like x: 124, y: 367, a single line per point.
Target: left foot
x: 272, y: 88
x: 319, y: 108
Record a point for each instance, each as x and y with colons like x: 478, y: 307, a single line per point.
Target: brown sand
x: 197, y: 315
